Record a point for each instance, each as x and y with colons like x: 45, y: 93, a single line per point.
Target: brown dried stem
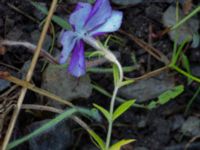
x: 30, y: 47
x: 29, y: 75
x: 150, y: 49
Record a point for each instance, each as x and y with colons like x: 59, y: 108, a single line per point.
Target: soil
x: 157, y: 129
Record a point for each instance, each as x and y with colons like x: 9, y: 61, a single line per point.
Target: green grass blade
x: 103, y: 111
x: 118, y: 145
x: 98, y: 140
x: 58, y: 20
x: 43, y: 128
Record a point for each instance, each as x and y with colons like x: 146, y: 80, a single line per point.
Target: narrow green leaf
x: 186, y: 63
x: 97, y: 139
x: 170, y: 94
x: 58, y: 20
x: 118, y: 145
x: 125, y: 83
x: 103, y: 111
x: 96, y: 54
x: 152, y: 105
x: 91, y: 113
x: 43, y: 128
x: 115, y: 74
x: 122, y: 108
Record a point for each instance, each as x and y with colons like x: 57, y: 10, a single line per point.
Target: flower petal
x: 77, y: 62
x: 99, y: 14
x: 68, y: 40
x: 111, y: 25
x: 79, y: 16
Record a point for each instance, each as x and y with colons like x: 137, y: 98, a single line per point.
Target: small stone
x: 4, y: 84
x: 147, y: 89
x: 186, y: 30
x: 177, y: 122
x: 191, y: 127
x: 57, y: 80
x: 56, y: 138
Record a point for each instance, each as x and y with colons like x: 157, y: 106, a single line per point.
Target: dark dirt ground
x: 157, y: 129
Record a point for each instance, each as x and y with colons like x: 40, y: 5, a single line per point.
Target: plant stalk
x: 110, y: 125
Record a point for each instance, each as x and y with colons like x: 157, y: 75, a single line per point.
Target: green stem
x: 192, y: 100
x: 185, y: 73
x: 186, y: 18
x: 112, y: 104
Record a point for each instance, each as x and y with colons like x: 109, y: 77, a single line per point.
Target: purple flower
x: 87, y: 21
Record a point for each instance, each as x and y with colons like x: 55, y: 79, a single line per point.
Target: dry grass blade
x: 150, y: 49
x: 29, y: 75
x: 31, y: 47
x: 27, y: 85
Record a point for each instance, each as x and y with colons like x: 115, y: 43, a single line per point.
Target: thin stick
x: 35, y: 89
x: 150, y: 49
x: 29, y: 75
x: 41, y: 108
x: 30, y: 47
x: 55, y: 110
x: 151, y: 74
x: 25, y: 84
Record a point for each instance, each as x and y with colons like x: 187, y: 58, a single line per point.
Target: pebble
x: 186, y: 30
x: 147, y: 89
x: 57, y: 80
x: 191, y: 127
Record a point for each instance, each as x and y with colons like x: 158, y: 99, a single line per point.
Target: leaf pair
x: 118, y: 112
x: 167, y: 96
x: 101, y: 144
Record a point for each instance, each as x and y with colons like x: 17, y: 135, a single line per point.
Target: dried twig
x: 150, y: 49
x: 151, y: 74
x: 25, y: 84
x: 31, y: 47
x: 29, y: 75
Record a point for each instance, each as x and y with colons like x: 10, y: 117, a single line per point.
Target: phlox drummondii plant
x: 87, y: 22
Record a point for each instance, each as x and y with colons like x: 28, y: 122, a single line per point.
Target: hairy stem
x: 110, y: 125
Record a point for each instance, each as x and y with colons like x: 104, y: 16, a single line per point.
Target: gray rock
x: 58, y: 81
x: 57, y: 138
x: 177, y: 122
x: 191, y: 127
x: 147, y: 89
x: 35, y: 35
x: 4, y: 84
x: 186, y: 30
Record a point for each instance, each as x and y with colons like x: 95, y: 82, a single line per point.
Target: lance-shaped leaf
x: 122, y: 108
x: 103, y: 111
x: 118, y: 145
x: 100, y: 143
